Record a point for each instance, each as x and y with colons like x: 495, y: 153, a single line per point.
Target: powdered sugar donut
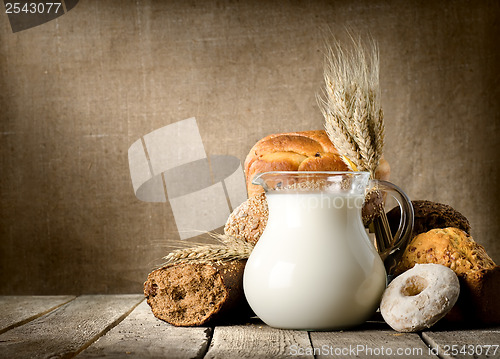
x: 419, y: 297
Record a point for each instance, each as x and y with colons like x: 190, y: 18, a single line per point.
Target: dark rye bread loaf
x: 193, y: 294
x: 430, y: 215
x: 483, y: 297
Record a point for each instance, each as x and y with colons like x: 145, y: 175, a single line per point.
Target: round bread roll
x: 430, y: 215
x: 450, y: 247
x: 249, y: 219
x: 297, y: 151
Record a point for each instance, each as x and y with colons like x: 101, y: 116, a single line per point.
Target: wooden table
x: 122, y: 326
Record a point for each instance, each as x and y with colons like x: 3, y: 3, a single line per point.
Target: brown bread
x: 194, y: 294
x: 430, y: 215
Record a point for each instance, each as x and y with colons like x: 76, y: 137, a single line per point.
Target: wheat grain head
x: 229, y: 248
x: 351, y: 103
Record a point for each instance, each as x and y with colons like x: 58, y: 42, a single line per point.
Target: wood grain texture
x: 257, y: 340
x: 18, y: 310
x: 141, y: 335
x: 68, y: 329
x: 463, y: 343
x: 369, y: 341
x: 122, y: 326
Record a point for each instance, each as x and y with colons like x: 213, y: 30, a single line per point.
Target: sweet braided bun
x: 297, y: 151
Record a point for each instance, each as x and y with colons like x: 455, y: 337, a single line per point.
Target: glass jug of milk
x: 314, y: 267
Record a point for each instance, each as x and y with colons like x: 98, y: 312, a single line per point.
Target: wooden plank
x: 257, y: 340
x: 69, y: 329
x: 463, y: 343
x: 18, y: 310
x: 372, y: 340
x: 141, y: 335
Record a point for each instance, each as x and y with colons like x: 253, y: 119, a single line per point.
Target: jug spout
x: 259, y: 181
x: 275, y: 180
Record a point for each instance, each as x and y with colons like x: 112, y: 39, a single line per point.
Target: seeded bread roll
x: 478, y: 275
x: 450, y: 246
x: 193, y: 294
x: 249, y: 219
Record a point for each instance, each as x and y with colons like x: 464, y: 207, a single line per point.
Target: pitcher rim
x: 306, y: 173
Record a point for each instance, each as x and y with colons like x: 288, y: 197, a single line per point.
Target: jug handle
x: 403, y: 235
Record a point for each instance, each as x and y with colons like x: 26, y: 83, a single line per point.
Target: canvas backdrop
x: 78, y: 91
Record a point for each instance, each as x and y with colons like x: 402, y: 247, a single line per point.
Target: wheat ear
x: 353, y: 117
x: 229, y: 248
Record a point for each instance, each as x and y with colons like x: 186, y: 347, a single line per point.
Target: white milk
x: 314, y: 266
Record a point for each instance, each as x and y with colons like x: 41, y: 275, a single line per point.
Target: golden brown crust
x: 450, y: 247
x: 295, y: 151
x: 319, y: 163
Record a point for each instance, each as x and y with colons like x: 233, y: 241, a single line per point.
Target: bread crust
x: 294, y: 151
x: 249, y: 219
x: 194, y: 294
x: 298, y: 151
x: 430, y: 215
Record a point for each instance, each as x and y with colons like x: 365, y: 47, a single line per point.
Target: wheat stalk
x: 354, y: 120
x: 345, y: 143
x: 353, y: 117
x: 229, y: 248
